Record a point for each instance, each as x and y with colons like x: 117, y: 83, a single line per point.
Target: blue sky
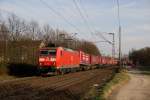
x: 102, y: 17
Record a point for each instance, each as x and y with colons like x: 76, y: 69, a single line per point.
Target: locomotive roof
x: 67, y: 49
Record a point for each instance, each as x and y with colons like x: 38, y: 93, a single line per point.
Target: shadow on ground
x: 22, y: 70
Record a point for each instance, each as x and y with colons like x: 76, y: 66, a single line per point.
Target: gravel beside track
x: 70, y: 86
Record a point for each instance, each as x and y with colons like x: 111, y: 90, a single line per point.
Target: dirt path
x: 138, y: 88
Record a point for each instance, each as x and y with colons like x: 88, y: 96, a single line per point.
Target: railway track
x: 17, y: 79
x: 70, y: 82
x: 46, y: 86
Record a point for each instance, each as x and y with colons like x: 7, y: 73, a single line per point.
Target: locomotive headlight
x: 53, y: 59
x: 41, y: 59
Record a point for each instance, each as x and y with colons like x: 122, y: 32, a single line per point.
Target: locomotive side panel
x: 68, y: 59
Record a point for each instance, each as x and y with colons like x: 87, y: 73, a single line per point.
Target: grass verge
x: 102, y: 91
x: 119, y: 79
x: 3, y: 69
x: 4, y: 73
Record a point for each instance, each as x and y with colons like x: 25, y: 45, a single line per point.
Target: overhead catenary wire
x: 86, y: 15
x: 66, y: 20
x: 84, y: 10
x: 102, y: 36
x: 87, y: 18
x: 59, y: 14
x: 82, y: 16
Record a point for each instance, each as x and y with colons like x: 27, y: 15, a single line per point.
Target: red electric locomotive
x: 58, y: 59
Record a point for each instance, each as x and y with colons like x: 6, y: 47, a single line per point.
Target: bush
x: 141, y: 57
x: 22, y: 70
x: 3, y: 69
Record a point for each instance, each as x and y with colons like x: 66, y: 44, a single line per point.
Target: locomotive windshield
x: 48, y: 52
x: 44, y: 52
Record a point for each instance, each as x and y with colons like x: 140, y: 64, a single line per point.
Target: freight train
x: 60, y: 60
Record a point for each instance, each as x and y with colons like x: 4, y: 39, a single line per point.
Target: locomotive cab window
x: 48, y: 52
x: 44, y: 52
x: 52, y: 52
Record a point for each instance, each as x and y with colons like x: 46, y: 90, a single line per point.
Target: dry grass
x: 119, y: 79
x: 3, y: 69
x: 4, y: 73
x: 6, y: 77
x: 102, y: 92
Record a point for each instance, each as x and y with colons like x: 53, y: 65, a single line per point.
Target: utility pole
x: 120, y: 62
x: 119, y: 32
x: 113, y: 44
x: 113, y: 48
x: 75, y: 42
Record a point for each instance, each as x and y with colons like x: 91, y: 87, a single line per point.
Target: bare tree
x: 14, y: 26
x: 4, y: 33
x: 28, y: 34
x: 46, y: 33
x: 34, y: 29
